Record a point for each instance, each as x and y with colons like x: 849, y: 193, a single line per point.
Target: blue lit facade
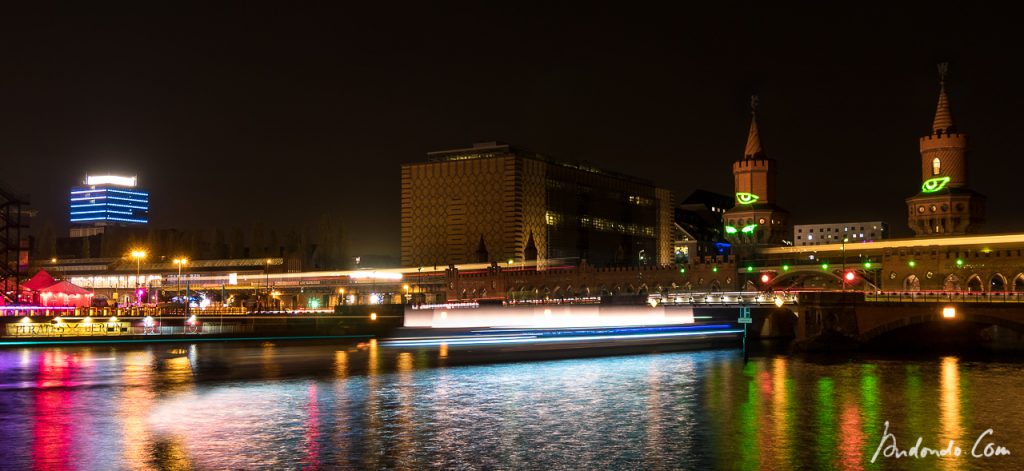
x: 109, y: 203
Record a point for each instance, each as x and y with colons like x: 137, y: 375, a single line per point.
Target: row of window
x: 552, y: 218
x: 829, y: 229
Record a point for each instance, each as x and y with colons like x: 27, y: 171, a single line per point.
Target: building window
x: 936, y: 166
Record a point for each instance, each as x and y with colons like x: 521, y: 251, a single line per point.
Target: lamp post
x: 138, y: 255
x: 266, y: 274
x: 845, y: 240
x: 180, y: 262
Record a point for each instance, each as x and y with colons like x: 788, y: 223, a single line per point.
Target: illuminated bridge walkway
x: 779, y: 298
x: 944, y: 297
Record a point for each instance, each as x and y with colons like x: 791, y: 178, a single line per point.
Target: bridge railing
x: 944, y: 297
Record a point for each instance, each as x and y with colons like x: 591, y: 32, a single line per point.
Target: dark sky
x: 231, y: 117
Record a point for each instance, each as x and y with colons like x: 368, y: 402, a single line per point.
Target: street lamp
x: 138, y: 255
x: 266, y: 273
x: 180, y: 262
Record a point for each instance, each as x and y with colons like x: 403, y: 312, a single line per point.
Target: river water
x: 343, y: 405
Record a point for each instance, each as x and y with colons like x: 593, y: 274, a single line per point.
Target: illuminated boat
x: 550, y: 327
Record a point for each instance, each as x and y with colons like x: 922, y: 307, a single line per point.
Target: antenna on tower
x: 753, y: 103
x: 943, y: 70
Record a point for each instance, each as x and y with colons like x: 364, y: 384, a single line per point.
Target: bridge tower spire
x: 755, y: 219
x: 945, y: 205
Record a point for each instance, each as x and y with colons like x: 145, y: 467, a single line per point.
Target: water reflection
x: 236, y: 406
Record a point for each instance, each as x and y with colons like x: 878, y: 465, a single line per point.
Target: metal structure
x: 11, y: 246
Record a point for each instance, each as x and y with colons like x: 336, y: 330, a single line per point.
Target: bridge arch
x: 974, y: 283
x: 779, y: 323
x: 912, y: 283
x: 813, y: 278
x: 997, y: 283
x: 952, y: 283
x: 1018, y: 282
x: 937, y: 318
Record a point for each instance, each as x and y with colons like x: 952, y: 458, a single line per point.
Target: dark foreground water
x: 287, y: 406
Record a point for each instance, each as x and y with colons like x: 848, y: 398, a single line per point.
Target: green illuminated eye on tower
x: 749, y: 229
x: 730, y: 230
x: 746, y: 198
x: 932, y: 185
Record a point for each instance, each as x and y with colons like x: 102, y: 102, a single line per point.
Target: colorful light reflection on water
x: 244, y: 406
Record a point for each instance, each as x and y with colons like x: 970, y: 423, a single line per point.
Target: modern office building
x: 494, y: 202
x: 834, y: 233
x: 698, y: 226
x: 107, y: 200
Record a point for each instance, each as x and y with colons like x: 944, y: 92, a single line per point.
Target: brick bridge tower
x: 945, y: 204
x: 755, y: 219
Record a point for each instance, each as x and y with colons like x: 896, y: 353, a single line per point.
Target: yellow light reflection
x: 341, y: 364
x: 949, y: 401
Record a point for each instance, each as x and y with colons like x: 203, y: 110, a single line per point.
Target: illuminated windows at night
x: 109, y: 198
x: 936, y: 166
x: 553, y: 218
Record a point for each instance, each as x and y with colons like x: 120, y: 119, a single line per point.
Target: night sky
x: 232, y: 117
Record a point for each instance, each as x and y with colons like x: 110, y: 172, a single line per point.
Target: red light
x: 850, y: 276
x: 765, y: 278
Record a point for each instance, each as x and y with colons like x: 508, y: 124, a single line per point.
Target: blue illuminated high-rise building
x: 107, y: 200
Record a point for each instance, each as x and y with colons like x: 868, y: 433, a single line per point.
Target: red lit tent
x: 40, y: 280
x: 64, y: 293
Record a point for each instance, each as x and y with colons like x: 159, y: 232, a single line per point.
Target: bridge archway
x: 974, y: 284
x: 818, y: 279
x: 952, y: 283
x: 779, y: 323
x: 1018, y: 282
x: 903, y: 324
x: 715, y: 286
x: 997, y: 283
x: 912, y: 283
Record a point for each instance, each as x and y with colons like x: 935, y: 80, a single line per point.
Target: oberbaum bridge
x: 948, y: 279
